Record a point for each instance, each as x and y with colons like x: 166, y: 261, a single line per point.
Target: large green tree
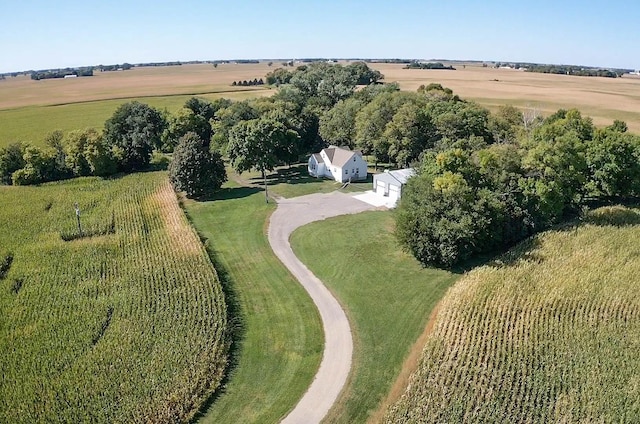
x: 99, y: 155
x: 258, y: 144
x: 205, y: 108
x: 226, y: 117
x: 194, y: 169
x: 337, y: 125
x: 410, y: 132
x: 11, y: 159
x: 613, y: 160
x: 457, y: 120
x: 135, y: 129
x: 372, y: 121
x: 75, y: 144
x: 179, y: 124
x: 40, y: 167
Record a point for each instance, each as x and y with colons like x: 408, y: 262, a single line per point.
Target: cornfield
x: 124, y: 322
x: 549, y: 333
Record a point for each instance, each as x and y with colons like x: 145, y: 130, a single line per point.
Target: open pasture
x: 548, y: 333
x: 29, y: 109
x: 604, y: 99
x: 127, y: 323
x: 32, y: 124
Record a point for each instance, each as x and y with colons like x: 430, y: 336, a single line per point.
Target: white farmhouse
x: 339, y: 164
x: 389, y: 183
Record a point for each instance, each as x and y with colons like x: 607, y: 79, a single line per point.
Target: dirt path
x: 338, y: 349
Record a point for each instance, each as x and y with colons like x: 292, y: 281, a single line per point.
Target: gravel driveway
x: 338, y: 348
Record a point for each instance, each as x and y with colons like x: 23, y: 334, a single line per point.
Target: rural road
x: 338, y: 348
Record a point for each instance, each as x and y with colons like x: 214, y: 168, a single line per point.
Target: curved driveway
x: 338, y: 347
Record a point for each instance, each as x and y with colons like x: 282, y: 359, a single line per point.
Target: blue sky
x: 37, y: 34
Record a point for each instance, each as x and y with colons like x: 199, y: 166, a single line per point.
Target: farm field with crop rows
x: 550, y: 333
x: 126, y: 324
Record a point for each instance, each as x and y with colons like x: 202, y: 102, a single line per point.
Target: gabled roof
x: 318, y: 158
x: 339, y: 156
x: 403, y: 175
x: 330, y: 152
x: 397, y: 177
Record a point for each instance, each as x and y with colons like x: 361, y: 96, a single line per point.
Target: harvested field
x: 137, y: 82
x: 604, y: 99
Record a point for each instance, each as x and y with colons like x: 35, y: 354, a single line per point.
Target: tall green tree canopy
x: 410, y: 132
x: 337, y: 125
x: 135, y: 129
x: 226, y: 117
x: 11, y: 159
x: 613, y: 160
x: 372, y: 121
x: 194, y: 169
x: 205, y: 108
x: 76, y: 144
x: 258, y: 144
x: 182, y: 122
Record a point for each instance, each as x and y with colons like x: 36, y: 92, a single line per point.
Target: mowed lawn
x: 279, y: 340
x: 386, y: 294
x: 294, y: 181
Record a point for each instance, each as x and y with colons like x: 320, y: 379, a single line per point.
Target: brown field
x: 137, y: 82
x: 604, y: 99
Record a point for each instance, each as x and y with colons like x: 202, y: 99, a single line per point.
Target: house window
x: 354, y: 158
x: 346, y: 172
x: 353, y: 171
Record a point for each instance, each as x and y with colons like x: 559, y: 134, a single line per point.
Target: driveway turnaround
x: 338, y: 346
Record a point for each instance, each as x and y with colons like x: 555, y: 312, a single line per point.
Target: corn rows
x: 127, y: 325
x: 551, y: 337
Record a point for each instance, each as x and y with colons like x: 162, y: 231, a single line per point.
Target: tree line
x: 124, y: 145
x: 61, y: 73
x: 478, y: 194
x: 245, y: 83
x: 286, y: 125
x: 576, y: 70
x: 429, y: 65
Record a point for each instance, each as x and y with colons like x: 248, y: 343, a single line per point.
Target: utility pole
x: 266, y: 195
x: 78, y: 218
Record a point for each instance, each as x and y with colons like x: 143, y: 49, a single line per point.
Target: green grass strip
x: 279, y: 337
x: 387, y: 296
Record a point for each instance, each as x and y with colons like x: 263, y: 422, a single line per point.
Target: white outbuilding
x: 339, y: 164
x: 389, y: 183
